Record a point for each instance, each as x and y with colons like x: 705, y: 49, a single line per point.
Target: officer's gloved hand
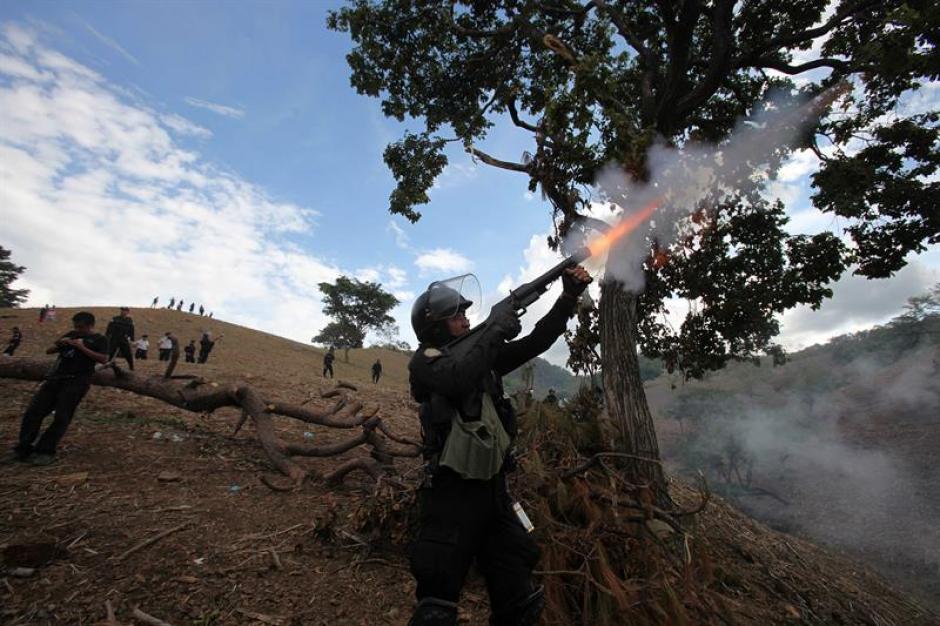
x: 504, y: 322
x: 575, y: 280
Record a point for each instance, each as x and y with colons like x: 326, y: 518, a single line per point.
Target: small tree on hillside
x: 595, y: 83
x: 356, y: 308
x: 9, y: 272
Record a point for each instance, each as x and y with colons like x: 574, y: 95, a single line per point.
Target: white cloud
x: 401, y: 237
x: 857, y: 303
x: 397, y: 277
x: 442, y: 260
x: 103, y: 206
x: 221, y: 109
x: 112, y: 44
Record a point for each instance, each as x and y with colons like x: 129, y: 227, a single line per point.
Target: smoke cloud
x: 680, y: 180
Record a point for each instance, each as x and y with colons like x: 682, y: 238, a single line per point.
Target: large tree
x: 9, y: 272
x: 599, y: 82
x: 356, y: 308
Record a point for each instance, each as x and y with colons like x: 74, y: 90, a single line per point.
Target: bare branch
x: 514, y: 115
x: 506, y: 165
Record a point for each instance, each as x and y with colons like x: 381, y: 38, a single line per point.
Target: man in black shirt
x: 376, y: 371
x: 190, y: 351
x: 120, y: 332
x: 15, y: 340
x: 65, y: 386
x: 328, y: 359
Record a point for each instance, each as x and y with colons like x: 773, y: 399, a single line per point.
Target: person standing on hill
x: 206, y: 343
x: 43, y: 312
x: 120, y: 332
x: 376, y: 371
x: 328, y: 359
x: 165, y: 345
x: 142, y: 346
x: 465, y: 512
x: 179, y: 307
x: 192, y: 305
x: 65, y: 386
x: 190, y: 351
x: 16, y: 338
x: 172, y: 303
x: 153, y: 304
x: 202, y: 310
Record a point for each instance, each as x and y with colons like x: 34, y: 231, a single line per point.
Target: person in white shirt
x: 165, y: 346
x: 140, y: 347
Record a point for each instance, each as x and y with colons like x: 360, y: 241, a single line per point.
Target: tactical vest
x: 476, y: 449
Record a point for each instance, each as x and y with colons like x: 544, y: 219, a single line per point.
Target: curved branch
x: 506, y: 165
x: 786, y: 68
x: 719, y: 63
x: 514, y: 115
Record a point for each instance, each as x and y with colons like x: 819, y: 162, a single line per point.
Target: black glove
x: 504, y: 323
x: 572, y: 286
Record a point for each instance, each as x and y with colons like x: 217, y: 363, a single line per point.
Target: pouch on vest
x: 476, y: 449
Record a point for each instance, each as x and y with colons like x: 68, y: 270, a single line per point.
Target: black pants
x: 118, y: 345
x: 61, y: 396
x: 462, y: 520
x: 327, y: 369
x: 190, y: 357
x: 204, y: 355
x: 11, y: 348
x: 164, y: 354
x: 376, y: 376
x: 141, y: 355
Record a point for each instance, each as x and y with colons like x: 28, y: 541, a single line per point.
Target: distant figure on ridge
x: 192, y: 305
x: 120, y: 332
x: 172, y: 303
x: 43, y: 312
x: 551, y: 398
x: 206, y: 343
x: 210, y: 316
x: 376, y: 371
x: 65, y: 386
x: 190, y: 351
x: 328, y: 359
x: 50, y: 314
x: 201, y: 310
x: 153, y: 304
x: 16, y: 338
x: 179, y: 307
x: 141, y: 346
x: 164, y: 346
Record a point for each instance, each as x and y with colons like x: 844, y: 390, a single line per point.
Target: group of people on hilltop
x: 78, y: 352
x: 120, y: 335
x: 179, y: 306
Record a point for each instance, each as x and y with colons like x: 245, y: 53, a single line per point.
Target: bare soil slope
x: 239, y: 553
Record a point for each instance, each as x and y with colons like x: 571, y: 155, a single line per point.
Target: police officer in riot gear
x: 467, y: 428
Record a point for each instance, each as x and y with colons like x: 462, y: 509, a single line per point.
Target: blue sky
x: 215, y: 151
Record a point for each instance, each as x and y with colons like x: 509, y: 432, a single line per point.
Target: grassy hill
x: 240, y: 553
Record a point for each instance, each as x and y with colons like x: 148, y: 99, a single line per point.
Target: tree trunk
x: 627, y: 408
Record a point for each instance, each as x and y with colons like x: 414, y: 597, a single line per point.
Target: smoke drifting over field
x: 681, y: 180
x: 847, y: 447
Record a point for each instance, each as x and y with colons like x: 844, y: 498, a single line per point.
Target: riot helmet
x: 443, y: 300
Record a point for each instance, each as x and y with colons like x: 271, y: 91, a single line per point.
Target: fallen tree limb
x: 201, y: 396
x: 151, y: 541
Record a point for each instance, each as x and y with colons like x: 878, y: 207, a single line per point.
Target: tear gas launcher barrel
x: 518, y: 300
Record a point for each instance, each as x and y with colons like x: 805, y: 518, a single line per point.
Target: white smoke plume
x: 680, y: 180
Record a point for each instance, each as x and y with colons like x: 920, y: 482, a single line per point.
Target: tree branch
x: 718, y: 65
x: 514, y: 115
x: 786, y: 68
x: 506, y: 165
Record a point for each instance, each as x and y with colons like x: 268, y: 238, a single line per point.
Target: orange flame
x: 628, y: 225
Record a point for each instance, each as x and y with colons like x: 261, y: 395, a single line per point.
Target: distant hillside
x: 838, y: 445
x: 566, y: 384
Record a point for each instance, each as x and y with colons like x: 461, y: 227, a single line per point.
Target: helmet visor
x: 447, y: 298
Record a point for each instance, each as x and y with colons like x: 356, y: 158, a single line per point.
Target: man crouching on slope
x: 467, y: 428
x: 65, y: 386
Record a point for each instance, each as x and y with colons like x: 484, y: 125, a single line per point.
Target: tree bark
x: 627, y: 408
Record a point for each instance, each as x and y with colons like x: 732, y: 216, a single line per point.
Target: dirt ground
x: 225, y: 549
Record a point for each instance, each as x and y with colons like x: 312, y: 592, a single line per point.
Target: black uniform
x: 461, y: 519
x: 328, y: 364
x: 64, y: 388
x: 190, y: 351
x: 120, y: 332
x: 205, y: 347
x: 15, y: 340
x: 376, y: 372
